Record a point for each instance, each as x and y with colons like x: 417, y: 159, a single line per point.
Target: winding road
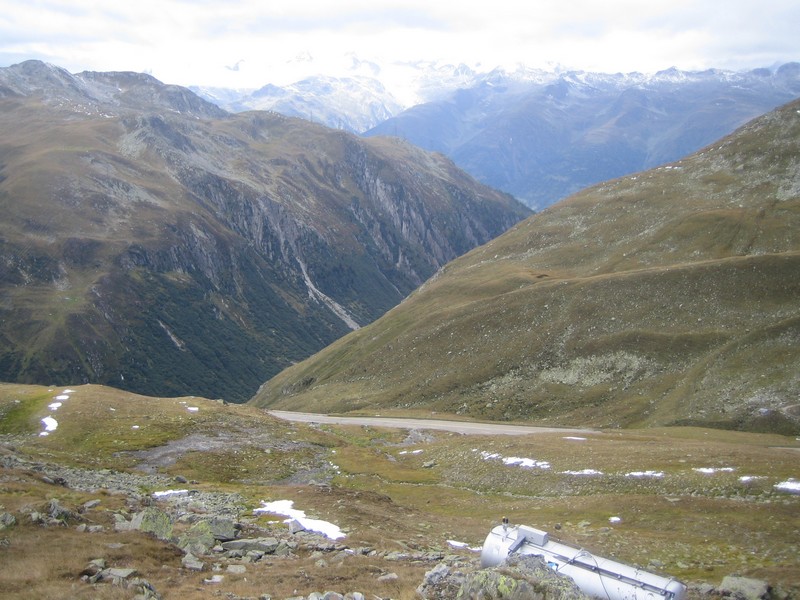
x: 464, y: 427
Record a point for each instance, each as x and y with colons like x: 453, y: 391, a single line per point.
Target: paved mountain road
x: 464, y: 427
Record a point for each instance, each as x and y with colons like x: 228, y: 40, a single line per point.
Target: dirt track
x: 454, y: 426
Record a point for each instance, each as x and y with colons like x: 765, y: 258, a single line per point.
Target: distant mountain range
x: 152, y: 241
x: 536, y: 134
x: 668, y: 297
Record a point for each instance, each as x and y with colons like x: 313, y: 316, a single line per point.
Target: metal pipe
x: 594, y: 575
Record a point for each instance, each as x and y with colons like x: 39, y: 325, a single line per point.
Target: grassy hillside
x: 697, y: 504
x: 667, y: 297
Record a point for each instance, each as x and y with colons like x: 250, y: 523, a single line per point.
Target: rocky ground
x: 218, y: 540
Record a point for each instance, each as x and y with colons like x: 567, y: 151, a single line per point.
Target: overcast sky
x: 248, y: 43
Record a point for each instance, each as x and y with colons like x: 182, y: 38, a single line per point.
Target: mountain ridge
x: 155, y: 242
x: 546, y: 139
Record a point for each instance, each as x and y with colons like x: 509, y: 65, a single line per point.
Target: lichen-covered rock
x: 155, y: 521
x: 265, y: 545
x: 198, y: 539
x: 518, y: 578
x: 7, y: 520
x: 744, y: 588
x: 191, y: 562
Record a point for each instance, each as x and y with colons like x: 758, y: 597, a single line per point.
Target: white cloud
x: 193, y: 42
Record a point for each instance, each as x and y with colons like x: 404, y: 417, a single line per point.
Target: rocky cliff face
x: 154, y: 242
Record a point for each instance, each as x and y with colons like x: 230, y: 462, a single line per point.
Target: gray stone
x: 7, y: 520
x: 90, y: 505
x: 436, y: 575
x: 295, y: 526
x: 118, y: 573
x: 191, y: 562
x: 198, y: 539
x: 237, y: 569
x: 265, y: 545
x: 354, y: 596
x: 283, y: 549
x: 389, y: 577
x: 332, y: 596
x: 58, y: 512
x: 749, y: 589
x: 223, y: 529
x: 520, y: 577
x: 98, y: 563
x: 155, y: 521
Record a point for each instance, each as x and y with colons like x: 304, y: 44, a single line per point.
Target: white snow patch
x: 528, y: 463
x: 167, y: 493
x: 792, y: 486
x: 455, y: 544
x: 712, y: 470
x: 284, y: 507
x: 614, y: 520
x: 193, y: 408
x: 214, y: 579
x: 574, y: 438
x: 749, y: 478
x: 62, y: 397
x: 411, y: 452
x: 68, y: 391
x: 134, y: 427
x: 653, y: 474
x: 50, y: 425
x: 54, y: 405
x: 513, y: 461
x: 583, y: 472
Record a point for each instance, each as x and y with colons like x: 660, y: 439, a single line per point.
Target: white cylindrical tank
x: 594, y: 575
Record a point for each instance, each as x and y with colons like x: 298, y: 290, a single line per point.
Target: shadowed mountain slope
x: 670, y: 296
x: 152, y: 241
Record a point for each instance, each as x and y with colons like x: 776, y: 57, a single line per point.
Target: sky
x: 249, y: 43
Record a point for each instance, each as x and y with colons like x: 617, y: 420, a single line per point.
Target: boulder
x: 117, y: 574
x: 295, y: 526
x: 198, y: 539
x: 191, y: 562
x: 520, y: 577
x: 155, y: 521
x: 7, y: 520
x: 265, y: 545
x: 89, y: 505
x: 59, y: 513
x: 744, y: 588
x: 223, y: 529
